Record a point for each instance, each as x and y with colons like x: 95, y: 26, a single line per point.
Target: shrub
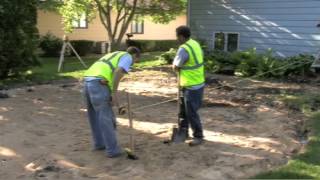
x: 168, y: 56
x: 153, y: 45
x: 301, y: 64
x: 250, y: 63
x: 18, y: 36
x: 83, y: 47
x: 50, y: 45
x: 221, y: 62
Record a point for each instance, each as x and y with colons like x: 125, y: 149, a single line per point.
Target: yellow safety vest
x: 105, y: 67
x: 192, y: 72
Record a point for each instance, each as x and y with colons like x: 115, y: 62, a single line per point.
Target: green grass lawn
x: 307, y: 164
x: 72, y: 68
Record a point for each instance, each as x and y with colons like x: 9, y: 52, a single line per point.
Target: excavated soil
x: 44, y: 133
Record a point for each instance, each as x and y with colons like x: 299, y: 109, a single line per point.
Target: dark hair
x: 183, y: 31
x: 134, y: 51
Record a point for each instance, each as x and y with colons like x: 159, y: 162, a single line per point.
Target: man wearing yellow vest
x: 101, y: 83
x: 189, y: 64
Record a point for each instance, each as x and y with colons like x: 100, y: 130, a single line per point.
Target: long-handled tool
x: 130, y: 152
x: 177, y: 134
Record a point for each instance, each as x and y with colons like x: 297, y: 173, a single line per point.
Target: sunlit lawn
x: 72, y: 68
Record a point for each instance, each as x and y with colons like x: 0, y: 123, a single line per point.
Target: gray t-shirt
x: 181, y: 58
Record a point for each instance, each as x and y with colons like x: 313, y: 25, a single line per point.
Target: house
x: 289, y: 27
x: 95, y: 31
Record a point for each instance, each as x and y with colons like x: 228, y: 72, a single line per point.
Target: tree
x: 18, y: 36
x: 116, y: 15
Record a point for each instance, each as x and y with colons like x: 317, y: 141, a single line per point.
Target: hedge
x: 153, y: 45
x: 50, y: 45
x: 83, y: 47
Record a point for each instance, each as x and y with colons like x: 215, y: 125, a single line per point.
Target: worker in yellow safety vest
x: 101, y: 83
x: 189, y: 65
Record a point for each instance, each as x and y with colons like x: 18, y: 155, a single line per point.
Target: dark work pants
x: 190, y: 104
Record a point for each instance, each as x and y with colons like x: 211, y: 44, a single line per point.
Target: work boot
x: 196, y: 142
x: 180, y: 136
x: 120, y: 154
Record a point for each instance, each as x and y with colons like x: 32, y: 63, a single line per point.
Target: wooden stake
x: 179, y: 97
x: 130, y: 122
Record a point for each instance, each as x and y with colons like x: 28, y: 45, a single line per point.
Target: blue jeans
x: 101, y: 117
x: 190, y: 104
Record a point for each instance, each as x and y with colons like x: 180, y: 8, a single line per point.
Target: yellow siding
x: 154, y: 31
x: 51, y: 22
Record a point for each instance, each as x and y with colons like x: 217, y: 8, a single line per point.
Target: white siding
x: 286, y: 26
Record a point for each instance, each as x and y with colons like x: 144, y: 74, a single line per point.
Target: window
x: 81, y: 23
x: 137, y: 26
x: 226, y: 41
x: 219, y: 41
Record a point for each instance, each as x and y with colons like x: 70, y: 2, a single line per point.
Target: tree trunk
x: 113, y: 46
x: 115, y: 37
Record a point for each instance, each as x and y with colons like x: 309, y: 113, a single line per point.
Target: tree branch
x: 127, y: 21
x: 102, y: 15
x: 106, y: 12
x: 117, y: 21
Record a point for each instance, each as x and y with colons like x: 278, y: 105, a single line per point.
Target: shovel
x: 178, y: 136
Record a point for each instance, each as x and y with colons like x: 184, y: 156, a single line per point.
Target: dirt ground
x: 44, y: 133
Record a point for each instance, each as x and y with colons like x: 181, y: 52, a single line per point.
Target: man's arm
x: 180, y: 59
x: 118, y: 75
x: 124, y: 66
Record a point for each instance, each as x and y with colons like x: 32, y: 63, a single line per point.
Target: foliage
x: 307, y: 164
x: 168, y: 56
x: 221, y: 62
x: 149, y: 60
x: 250, y: 63
x: 83, y: 47
x: 123, y: 11
x: 18, y: 36
x: 72, y: 10
x: 153, y: 45
x: 301, y: 64
x: 50, y: 45
x: 50, y: 5
x: 262, y: 65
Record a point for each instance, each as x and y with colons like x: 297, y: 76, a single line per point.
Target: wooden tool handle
x: 179, y: 97
x: 130, y: 122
